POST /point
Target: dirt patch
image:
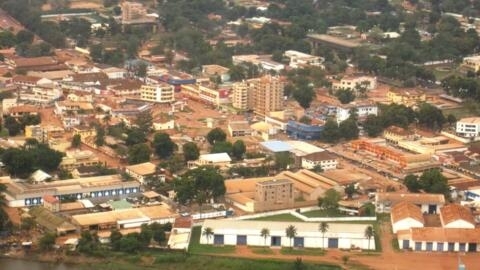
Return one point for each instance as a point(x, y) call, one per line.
point(86, 4)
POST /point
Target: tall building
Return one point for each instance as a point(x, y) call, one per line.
point(273, 194)
point(132, 11)
point(242, 97)
point(160, 93)
point(268, 94)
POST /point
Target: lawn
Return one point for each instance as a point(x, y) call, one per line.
point(322, 213)
point(196, 248)
point(303, 251)
point(261, 250)
point(281, 217)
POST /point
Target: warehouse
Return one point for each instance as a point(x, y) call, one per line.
point(243, 232)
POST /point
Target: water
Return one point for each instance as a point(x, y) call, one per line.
point(11, 264)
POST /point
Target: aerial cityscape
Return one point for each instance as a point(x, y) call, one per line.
point(240, 134)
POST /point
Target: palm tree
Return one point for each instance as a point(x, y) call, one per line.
point(207, 232)
point(369, 233)
point(291, 232)
point(323, 228)
point(265, 232)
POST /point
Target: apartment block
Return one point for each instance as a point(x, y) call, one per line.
point(159, 93)
point(242, 96)
point(268, 94)
point(274, 194)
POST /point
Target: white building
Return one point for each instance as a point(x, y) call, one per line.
point(160, 93)
point(405, 215)
point(115, 73)
point(144, 170)
point(440, 239)
point(299, 59)
point(217, 159)
point(243, 232)
point(428, 203)
point(472, 62)
point(363, 110)
point(324, 159)
point(354, 82)
point(456, 216)
point(468, 127)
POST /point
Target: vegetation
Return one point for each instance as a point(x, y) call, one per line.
point(323, 228)
point(163, 145)
point(190, 151)
point(330, 201)
point(216, 135)
point(291, 232)
point(431, 181)
point(138, 153)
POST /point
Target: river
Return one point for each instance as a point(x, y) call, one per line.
point(12, 264)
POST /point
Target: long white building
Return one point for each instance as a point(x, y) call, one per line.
point(243, 232)
point(468, 127)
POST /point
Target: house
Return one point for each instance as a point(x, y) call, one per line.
point(440, 239)
point(180, 233)
point(355, 83)
point(456, 216)
point(406, 215)
point(163, 124)
point(142, 171)
point(468, 127)
point(363, 109)
point(303, 131)
point(239, 128)
point(216, 71)
point(51, 203)
point(394, 134)
point(39, 176)
point(114, 72)
point(21, 110)
point(407, 97)
point(472, 62)
point(263, 130)
point(299, 59)
point(428, 203)
point(324, 159)
point(216, 160)
point(248, 233)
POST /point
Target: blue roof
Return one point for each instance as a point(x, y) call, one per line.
point(276, 146)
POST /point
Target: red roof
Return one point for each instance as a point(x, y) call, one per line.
point(50, 199)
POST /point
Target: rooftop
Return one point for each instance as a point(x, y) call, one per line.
point(146, 168)
point(276, 146)
point(403, 210)
point(415, 198)
point(435, 234)
point(453, 212)
point(320, 156)
point(216, 157)
point(470, 120)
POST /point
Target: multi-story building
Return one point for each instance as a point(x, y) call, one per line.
point(159, 93)
point(132, 11)
point(268, 94)
point(323, 159)
point(472, 62)
point(355, 82)
point(468, 127)
point(43, 134)
point(206, 92)
point(274, 194)
point(303, 131)
point(407, 97)
point(299, 59)
point(242, 96)
point(362, 109)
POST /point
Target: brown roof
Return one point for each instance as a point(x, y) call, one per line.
point(35, 61)
point(435, 234)
point(89, 77)
point(320, 156)
point(183, 222)
point(125, 84)
point(23, 109)
point(454, 212)
point(403, 210)
point(25, 78)
point(399, 131)
point(50, 199)
point(415, 198)
point(151, 194)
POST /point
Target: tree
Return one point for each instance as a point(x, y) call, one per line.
point(130, 243)
point(348, 129)
point(207, 232)
point(265, 232)
point(190, 151)
point(76, 141)
point(368, 210)
point(430, 116)
point(283, 160)
point(138, 153)
point(350, 190)
point(330, 132)
point(88, 242)
point(199, 185)
point(144, 121)
point(411, 182)
point(433, 181)
point(12, 125)
point(451, 119)
point(145, 235)
point(222, 147)
point(115, 237)
point(158, 232)
point(27, 223)
point(100, 137)
point(345, 96)
point(304, 95)
point(291, 232)
point(141, 70)
point(373, 125)
point(323, 228)
point(216, 135)
point(24, 36)
point(47, 241)
point(369, 233)
point(330, 201)
point(238, 149)
point(135, 136)
point(163, 145)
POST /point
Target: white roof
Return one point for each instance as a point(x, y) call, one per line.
point(40, 176)
point(302, 147)
point(217, 157)
point(87, 203)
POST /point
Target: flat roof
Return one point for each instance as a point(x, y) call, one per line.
point(334, 40)
point(143, 168)
point(470, 120)
point(276, 146)
point(217, 157)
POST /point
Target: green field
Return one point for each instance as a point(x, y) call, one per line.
point(196, 248)
point(281, 217)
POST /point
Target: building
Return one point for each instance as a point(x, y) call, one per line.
point(132, 11)
point(321, 40)
point(363, 109)
point(144, 170)
point(218, 71)
point(394, 134)
point(273, 194)
point(43, 134)
point(180, 234)
point(407, 97)
point(428, 203)
point(243, 232)
point(51, 203)
point(323, 159)
point(354, 83)
point(206, 92)
point(405, 215)
point(440, 239)
point(472, 62)
point(78, 158)
point(268, 95)
point(303, 131)
point(299, 59)
point(21, 194)
point(217, 160)
point(242, 95)
point(456, 216)
point(239, 128)
point(468, 127)
point(158, 93)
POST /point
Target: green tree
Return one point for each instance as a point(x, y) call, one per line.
point(100, 137)
point(323, 228)
point(138, 153)
point(47, 241)
point(373, 125)
point(304, 95)
point(76, 141)
point(135, 136)
point(265, 233)
point(190, 151)
point(350, 190)
point(222, 147)
point(115, 238)
point(330, 132)
point(130, 243)
point(158, 232)
point(369, 234)
point(163, 145)
point(216, 135)
point(330, 200)
point(208, 233)
point(12, 125)
point(145, 235)
point(199, 185)
point(291, 232)
point(430, 116)
point(433, 181)
point(88, 242)
point(144, 121)
point(283, 160)
point(238, 149)
point(345, 96)
point(348, 129)
point(412, 183)
point(24, 36)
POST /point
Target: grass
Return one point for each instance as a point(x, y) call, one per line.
point(197, 248)
point(302, 251)
point(280, 217)
point(322, 213)
point(458, 112)
point(395, 244)
point(261, 250)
